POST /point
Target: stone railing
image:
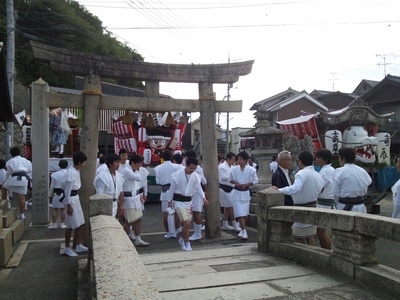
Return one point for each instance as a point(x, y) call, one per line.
point(353, 240)
point(116, 269)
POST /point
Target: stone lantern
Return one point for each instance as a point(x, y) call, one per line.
point(268, 142)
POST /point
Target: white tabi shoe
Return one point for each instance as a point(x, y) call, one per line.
point(188, 247)
point(68, 251)
point(182, 244)
point(225, 226)
point(240, 233)
point(236, 227)
point(80, 248)
point(140, 243)
point(244, 236)
point(132, 235)
point(62, 226)
point(52, 226)
point(197, 233)
point(167, 235)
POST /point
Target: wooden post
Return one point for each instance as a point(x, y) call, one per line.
point(210, 161)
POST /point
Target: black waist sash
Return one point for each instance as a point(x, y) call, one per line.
point(59, 192)
point(308, 204)
point(127, 194)
point(236, 188)
point(74, 193)
point(226, 188)
point(350, 202)
point(165, 187)
point(181, 198)
point(19, 176)
point(326, 202)
point(141, 190)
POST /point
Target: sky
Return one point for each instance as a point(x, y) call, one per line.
point(304, 44)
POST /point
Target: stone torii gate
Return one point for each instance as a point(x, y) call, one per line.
point(92, 67)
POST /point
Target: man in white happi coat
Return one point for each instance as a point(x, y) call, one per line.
point(110, 183)
point(17, 180)
point(102, 166)
point(325, 199)
point(305, 190)
point(197, 201)
point(133, 199)
point(225, 189)
point(185, 183)
point(242, 176)
point(74, 218)
point(350, 182)
point(57, 195)
point(123, 162)
point(163, 178)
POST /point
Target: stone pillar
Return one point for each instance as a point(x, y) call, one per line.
point(270, 231)
point(210, 161)
point(89, 142)
point(40, 153)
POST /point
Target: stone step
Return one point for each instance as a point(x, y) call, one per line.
point(253, 208)
point(5, 246)
point(17, 229)
point(252, 220)
point(9, 216)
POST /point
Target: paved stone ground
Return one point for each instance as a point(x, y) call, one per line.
point(45, 274)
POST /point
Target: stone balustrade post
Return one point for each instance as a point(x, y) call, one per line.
point(100, 204)
point(270, 231)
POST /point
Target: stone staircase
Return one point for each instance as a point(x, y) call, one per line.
point(11, 230)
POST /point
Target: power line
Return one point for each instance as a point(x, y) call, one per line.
point(258, 25)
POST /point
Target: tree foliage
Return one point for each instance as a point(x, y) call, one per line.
point(60, 23)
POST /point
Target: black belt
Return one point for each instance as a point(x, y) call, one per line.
point(19, 176)
point(141, 190)
point(181, 198)
point(350, 202)
point(59, 192)
point(73, 193)
point(165, 187)
point(236, 188)
point(308, 204)
point(326, 202)
point(226, 188)
point(127, 194)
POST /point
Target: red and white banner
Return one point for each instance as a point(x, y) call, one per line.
point(301, 127)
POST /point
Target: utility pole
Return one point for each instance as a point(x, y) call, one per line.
point(333, 80)
point(383, 56)
point(10, 71)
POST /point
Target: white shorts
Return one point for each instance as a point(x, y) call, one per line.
point(241, 208)
point(183, 210)
point(304, 232)
point(133, 214)
point(225, 199)
point(55, 202)
point(197, 203)
point(77, 219)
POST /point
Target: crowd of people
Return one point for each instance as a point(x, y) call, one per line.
point(184, 191)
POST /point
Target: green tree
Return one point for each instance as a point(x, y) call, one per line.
point(60, 23)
